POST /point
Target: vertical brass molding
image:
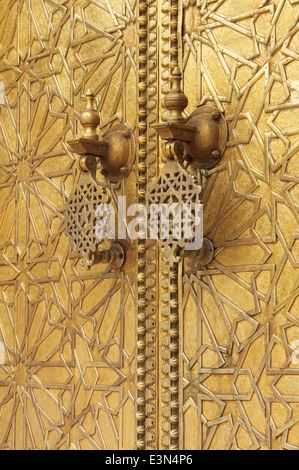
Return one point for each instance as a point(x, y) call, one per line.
point(141, 263)
point(147, 252)
point(169, 331)
point(152, 252)
point(164, 351)
point(171, 46)
point(165, 58)
point(174, 21)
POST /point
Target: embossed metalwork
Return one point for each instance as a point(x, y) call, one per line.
point(214, 352)
point(239, 387)
point(147, 367)
point(174, 186)
point(169, 295)
point(69, 376)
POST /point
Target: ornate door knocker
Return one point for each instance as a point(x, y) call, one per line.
point(115, 155)
point(201, 141)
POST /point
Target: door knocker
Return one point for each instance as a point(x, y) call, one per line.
point(114, 154)
point(201, 141)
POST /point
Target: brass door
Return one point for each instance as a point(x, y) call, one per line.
point(150, 357)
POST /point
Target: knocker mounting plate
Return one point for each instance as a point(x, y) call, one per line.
point(119, 160)
point(210, 138)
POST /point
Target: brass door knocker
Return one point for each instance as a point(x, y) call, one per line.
point(201, 138)
point(200, 141)
point(114, 154)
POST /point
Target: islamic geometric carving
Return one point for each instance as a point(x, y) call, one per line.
point(68, 381)
point(239, 383)
point(69, 378)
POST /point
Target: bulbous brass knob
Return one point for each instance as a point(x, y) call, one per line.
point(176, 100)
point(90, 118)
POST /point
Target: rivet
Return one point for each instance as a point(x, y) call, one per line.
point(216, 154)
point(216, 115)
point(127, 133)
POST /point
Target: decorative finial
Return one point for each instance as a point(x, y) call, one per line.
point(176, 100)
point(90, 118)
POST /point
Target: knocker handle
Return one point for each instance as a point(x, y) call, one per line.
point(114, 153)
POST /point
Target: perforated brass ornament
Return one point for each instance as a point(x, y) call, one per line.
point(81, 218)
point(89, 193)
point(174, 186)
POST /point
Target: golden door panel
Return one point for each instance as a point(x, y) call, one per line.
point(68, 378)
point(239, 316)
point(150, 356)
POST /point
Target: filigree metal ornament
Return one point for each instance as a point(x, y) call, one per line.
point(201, 134)
point(89, 193)
point(174, 188)
point(80, 218)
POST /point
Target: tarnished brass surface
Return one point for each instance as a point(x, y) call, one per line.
point(202, 257)
point(204, 134)
point(171, 131)
point(115, 151)
point(90, 118)
point(83, 146)
point(176, 100)
point(114, 256)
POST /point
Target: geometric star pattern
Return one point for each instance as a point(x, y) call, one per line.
point(81, 220)
point(68, 377)
point(240, 386)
